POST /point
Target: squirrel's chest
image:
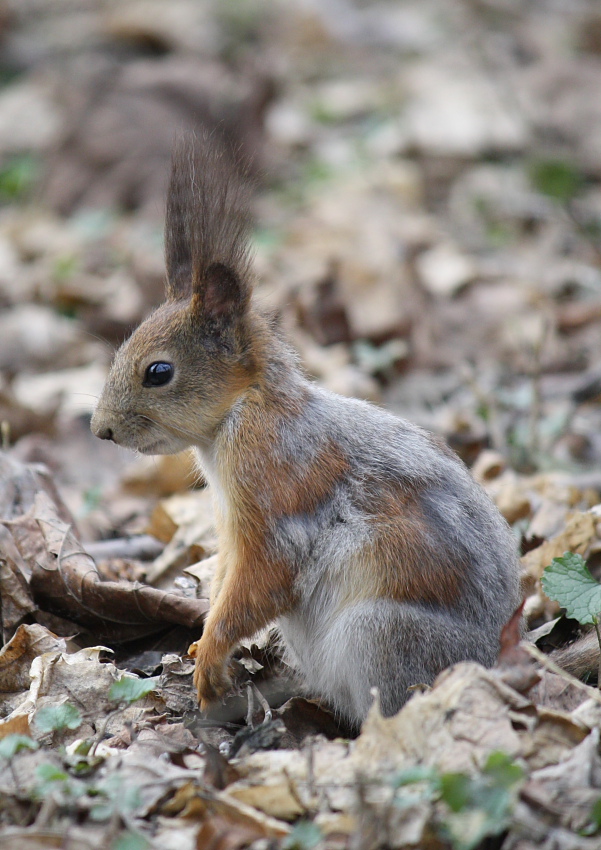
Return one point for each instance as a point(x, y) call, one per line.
point(207, 465)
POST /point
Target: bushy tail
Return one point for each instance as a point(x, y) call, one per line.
point(581, 658)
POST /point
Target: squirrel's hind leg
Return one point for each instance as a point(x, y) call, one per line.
point(392, 646)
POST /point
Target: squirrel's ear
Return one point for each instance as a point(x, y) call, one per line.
point(206, 227)
point(221, 294)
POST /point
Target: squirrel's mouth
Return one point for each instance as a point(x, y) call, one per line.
point(155, 448)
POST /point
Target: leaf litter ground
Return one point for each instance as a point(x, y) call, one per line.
point(429, 238)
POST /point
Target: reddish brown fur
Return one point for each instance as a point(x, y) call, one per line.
point(405, 567)
point(252, 586)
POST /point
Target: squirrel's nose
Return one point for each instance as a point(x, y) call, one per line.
point(105, 434)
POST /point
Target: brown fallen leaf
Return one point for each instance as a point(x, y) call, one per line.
point(200, 803)
point(519, 669)
point(49, 837)
point(16, 656)
point(217, 833)
point(41, 539)
point(65, 581)
point(303, 717)
point(579, 533)
point(556, 692)
point(161, 476)
point(15, 592)
point(19, 484)
point(187, 522)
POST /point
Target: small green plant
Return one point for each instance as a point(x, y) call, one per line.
point(304, 836)
point(482, 806)
point(128, 690)
point(56, 782)
point(17, 177)
point(124, 691)
point(594, 825)
point(567, 580)
point(113, 796)
point(13, 744)
point(56, 718)
point(556, 179)
point(476, 807)
point(10, 746)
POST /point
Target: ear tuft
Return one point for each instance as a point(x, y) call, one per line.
point(221, 294)
point(207, 222)
point(178, 222)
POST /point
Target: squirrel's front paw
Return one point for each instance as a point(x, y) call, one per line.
point(210, 679)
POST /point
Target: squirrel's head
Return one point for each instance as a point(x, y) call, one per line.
point(174, 379)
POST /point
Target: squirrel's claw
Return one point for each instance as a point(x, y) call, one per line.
point(211, 682)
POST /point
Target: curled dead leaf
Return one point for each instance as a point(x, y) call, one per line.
point(65, 581)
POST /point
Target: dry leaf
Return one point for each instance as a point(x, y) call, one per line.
point(65, 581)
point(194, 539)
point(579, 534)
point(17, 655)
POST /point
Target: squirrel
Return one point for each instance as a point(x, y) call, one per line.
point(364, 536)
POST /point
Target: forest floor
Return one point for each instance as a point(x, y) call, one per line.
point(428, 232)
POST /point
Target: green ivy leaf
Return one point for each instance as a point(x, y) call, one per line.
point(53, 718)
point(129, 689)
point(568, 581)
point(13, 744)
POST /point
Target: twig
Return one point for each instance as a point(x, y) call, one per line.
point(142, 547)
point(292, 787)
point(310, 767)
point(251, 704)
point(263, 703)
point(101, 730)
point(47, 811)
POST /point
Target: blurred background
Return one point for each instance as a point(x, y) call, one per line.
point(427, 220)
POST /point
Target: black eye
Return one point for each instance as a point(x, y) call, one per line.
point(158, 374)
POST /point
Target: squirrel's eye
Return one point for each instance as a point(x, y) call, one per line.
point(158, 374)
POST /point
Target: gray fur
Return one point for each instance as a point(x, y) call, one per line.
point(343, 652)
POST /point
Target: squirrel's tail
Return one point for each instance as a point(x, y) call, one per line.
point(207, 218)
point(580, 658)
